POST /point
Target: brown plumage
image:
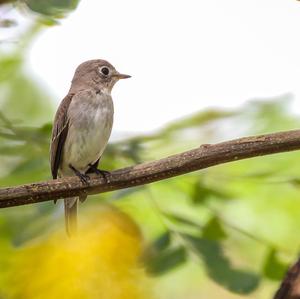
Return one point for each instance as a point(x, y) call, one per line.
point(59, 134)
point(82, 127)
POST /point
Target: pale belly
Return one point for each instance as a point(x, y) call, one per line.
point(87, 138)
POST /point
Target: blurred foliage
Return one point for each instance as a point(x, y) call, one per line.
point(235, 225)
point(23, 14)
point(54, 8)
point(80, 267)
point(46, 8)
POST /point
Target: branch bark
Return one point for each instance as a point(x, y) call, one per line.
point(290, 285)
point(203, 157)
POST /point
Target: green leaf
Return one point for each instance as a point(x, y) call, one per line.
point(163, 241)
point(167, 260)
point(219, 267)
point(202, 193)
point(180, 219)
point(54, 8)
point(273, 268)
point(158, 245)
point(294, 181)
point(213, 230)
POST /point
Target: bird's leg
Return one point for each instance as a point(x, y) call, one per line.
point(83, 177)
point(104, 173)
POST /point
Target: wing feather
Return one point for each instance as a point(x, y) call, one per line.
point(59, 134)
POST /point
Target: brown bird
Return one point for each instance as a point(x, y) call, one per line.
point(82, 127)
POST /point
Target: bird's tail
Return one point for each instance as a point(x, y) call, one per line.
point(71, 215)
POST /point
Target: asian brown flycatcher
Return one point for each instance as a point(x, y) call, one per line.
point(82, 127)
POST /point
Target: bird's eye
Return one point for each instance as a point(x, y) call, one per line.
point(104, 71)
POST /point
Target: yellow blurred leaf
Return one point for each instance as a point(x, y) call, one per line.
point(102, 261)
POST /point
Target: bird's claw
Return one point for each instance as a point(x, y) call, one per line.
point(104, 173)
point(84, 178)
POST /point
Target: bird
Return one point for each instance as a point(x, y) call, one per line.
point(82, 127)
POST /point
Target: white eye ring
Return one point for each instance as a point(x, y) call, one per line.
point(104, 70)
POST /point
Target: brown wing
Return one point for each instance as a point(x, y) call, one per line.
point(59, 134)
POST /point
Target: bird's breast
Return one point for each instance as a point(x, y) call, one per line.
point(90, 124)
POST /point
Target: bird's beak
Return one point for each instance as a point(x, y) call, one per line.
point(122, 76)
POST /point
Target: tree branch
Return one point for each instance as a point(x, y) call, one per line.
point(290, 285)
point(196, 159)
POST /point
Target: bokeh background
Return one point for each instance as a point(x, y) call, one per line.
point(202, 73)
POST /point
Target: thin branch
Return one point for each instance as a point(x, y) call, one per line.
point(290, 285)
point(203, 157)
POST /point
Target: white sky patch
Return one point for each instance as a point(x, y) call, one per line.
point(183, 55)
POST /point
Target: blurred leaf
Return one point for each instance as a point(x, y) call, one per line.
point(273, 268)
point(219, 267)
point(159, 244)
point(271, 114)
point(180, 219)
point(20, 224)
point(5, 1)
point(295, 182)
point(13, 150)
point(202, 193)
point(133, 151)
point(260, 174)
point(7, 23)
point(9, 65)
point(54, 8)
point(28, 166)
point(33, 107)
point(163, 241)
point(197, 119)
point(167, 260)
point(213, 230)
point(119, 194)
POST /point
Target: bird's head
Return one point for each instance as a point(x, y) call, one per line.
point(97, 73)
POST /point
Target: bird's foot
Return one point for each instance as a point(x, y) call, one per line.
point(83, 177)
point(104, 173)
